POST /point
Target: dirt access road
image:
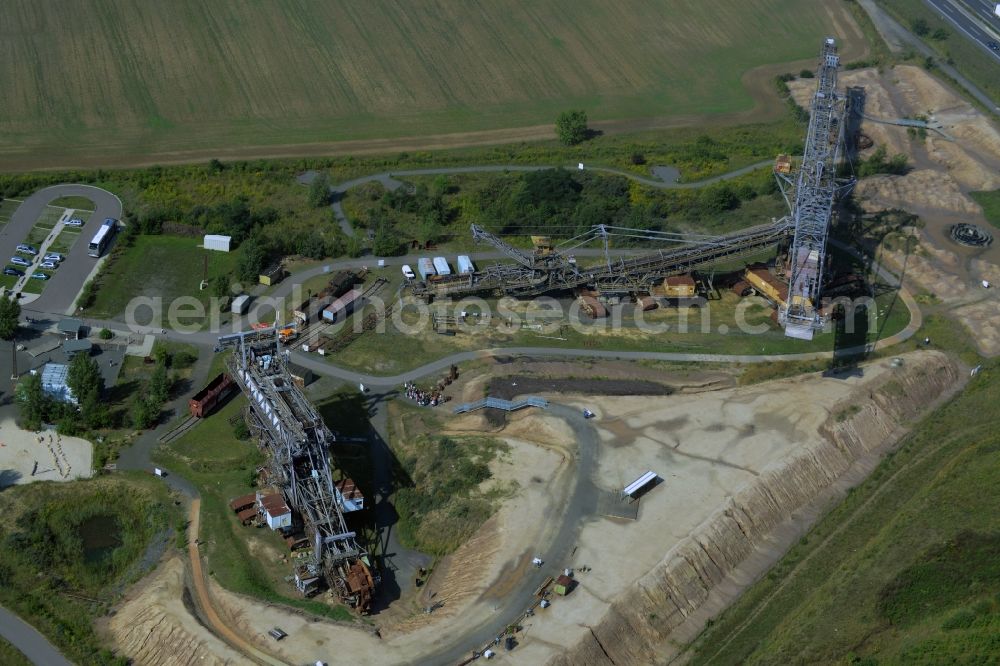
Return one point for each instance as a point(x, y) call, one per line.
point(220, 628)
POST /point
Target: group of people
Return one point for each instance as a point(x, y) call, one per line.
point(422, 398)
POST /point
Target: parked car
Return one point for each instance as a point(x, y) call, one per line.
point(19, 261)
point(12, 271)
point(53, 256)
point(39, 276)
point(49, 265)
point(277, 634)
point(75, 222)
point(27, 249)
point(408, 272)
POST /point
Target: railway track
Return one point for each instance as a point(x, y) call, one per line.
point(178, 431)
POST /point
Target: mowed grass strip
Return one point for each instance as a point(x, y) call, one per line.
point(297, 72)
point(7, 208)
point(65, 240)
point(75, 202)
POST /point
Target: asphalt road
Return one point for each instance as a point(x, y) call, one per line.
point(968, 21)
point(62, 289)
point(898, 38)
point(32, 644)
point(984, 10)
point(580, 504)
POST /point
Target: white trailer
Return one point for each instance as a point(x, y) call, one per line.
point(425, 267)
point(441, 266)
point(241, 304)
point(465, 265)
point(218, 243)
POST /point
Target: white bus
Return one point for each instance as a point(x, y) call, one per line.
point(103, 237)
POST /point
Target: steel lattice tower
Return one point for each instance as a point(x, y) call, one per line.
point(815, 190)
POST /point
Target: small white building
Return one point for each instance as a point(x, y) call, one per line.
point(220, 243)
point(275, 511)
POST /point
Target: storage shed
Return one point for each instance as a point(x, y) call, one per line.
point(275, 511)
point(564, 585)
point(352, 499)
point(465, 265)
point(243, 502)
point(73, 347)
point(272, 275)
point(71, 329)
point(425, 266)
point(301, 375)
point(679, 286)
point(441, 266)
point(343, 306)
point(218, 243)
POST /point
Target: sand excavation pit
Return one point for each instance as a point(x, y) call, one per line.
point(708, 449)
point(40, 456)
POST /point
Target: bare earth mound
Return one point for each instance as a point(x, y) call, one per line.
point(154, 625)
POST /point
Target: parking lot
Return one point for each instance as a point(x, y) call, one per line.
point(34, 222)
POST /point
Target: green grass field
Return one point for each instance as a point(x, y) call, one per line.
point(990, 201)
point(205, 75)
point(178, 264)
point(903, 572)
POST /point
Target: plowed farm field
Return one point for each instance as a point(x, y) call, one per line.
point(91, 83)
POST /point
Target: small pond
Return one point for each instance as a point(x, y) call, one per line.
point(100, 536)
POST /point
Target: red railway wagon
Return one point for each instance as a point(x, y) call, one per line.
point(206, 399)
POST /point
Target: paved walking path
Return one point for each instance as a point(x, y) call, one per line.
point(29, 641)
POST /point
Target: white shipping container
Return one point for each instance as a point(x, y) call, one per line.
point(219, 243)
point(441, 266)
point(465, 265)
point(425, 267)
point(241, 304)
